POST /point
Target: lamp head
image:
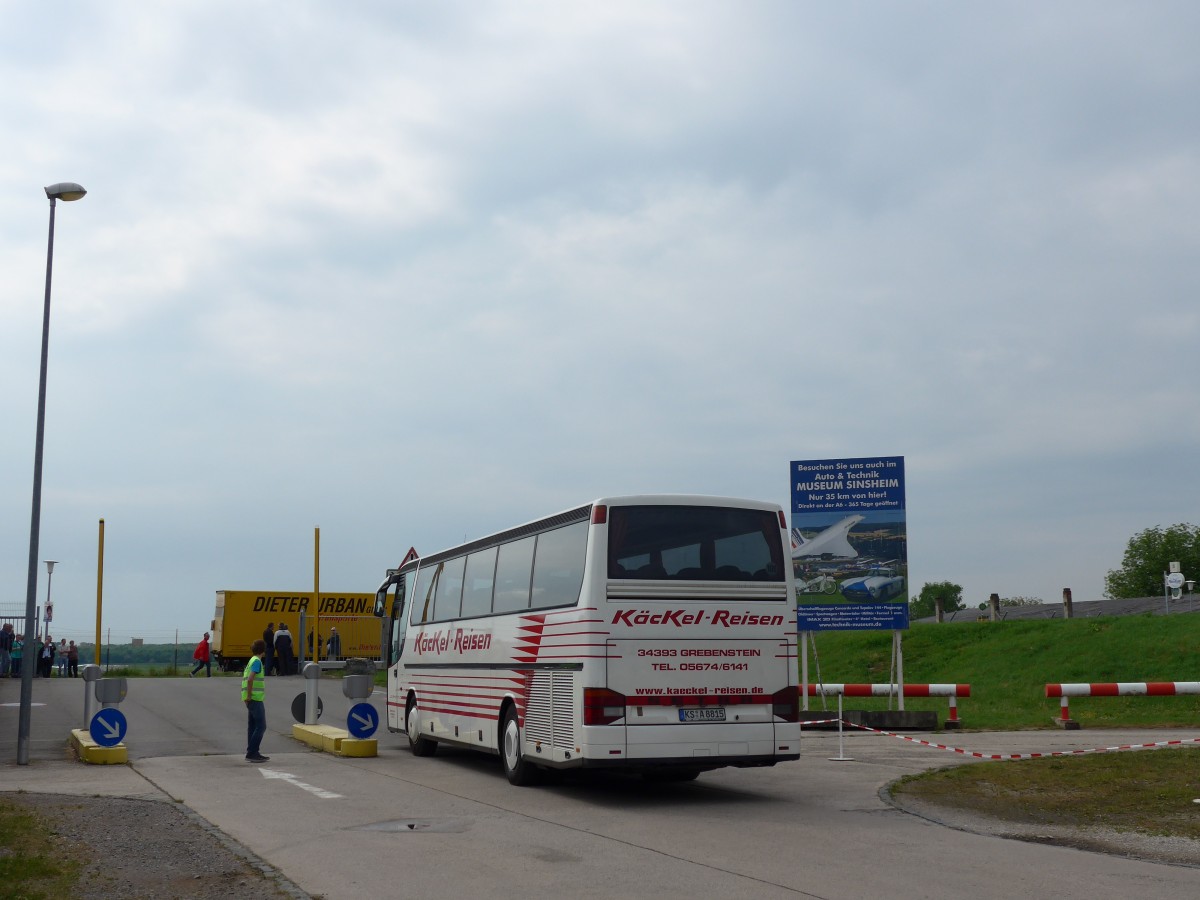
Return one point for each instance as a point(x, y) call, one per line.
point(50, 564)
point(65, 190)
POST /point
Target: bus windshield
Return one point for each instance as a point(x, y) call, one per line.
point(699, 543)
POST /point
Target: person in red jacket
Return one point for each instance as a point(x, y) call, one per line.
point(202, 657)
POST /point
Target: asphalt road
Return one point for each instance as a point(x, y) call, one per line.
point(452, 826)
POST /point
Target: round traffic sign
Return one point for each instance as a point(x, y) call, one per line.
point(108, 727)
point(362, 720)
point(1175, 581)
point(298, 704)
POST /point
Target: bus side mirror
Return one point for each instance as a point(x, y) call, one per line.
point(380, 603)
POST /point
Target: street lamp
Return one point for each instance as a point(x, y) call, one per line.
point(49, 611)
point(65, 190)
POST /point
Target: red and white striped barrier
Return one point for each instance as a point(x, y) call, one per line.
point(1118, 689)
point(1172, 743)
point(885, 690)
point(952, 691)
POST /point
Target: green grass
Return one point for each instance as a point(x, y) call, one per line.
point(31, 868)
point(147, 670)
point(1147, 792)
point(1008, 665)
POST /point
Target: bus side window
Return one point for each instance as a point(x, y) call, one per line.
point(397, 636)
point(422, 596)
point(558, 566)
point(514, 566)
point(477, 584)
point(398, 612)
point(447, 596)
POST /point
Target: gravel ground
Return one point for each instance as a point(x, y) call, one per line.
point(151, 850)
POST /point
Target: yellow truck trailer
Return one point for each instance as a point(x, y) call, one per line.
point(241, 617)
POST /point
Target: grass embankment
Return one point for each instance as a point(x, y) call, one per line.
point(1147, 792)
point(1009, 664)
point(31, 867)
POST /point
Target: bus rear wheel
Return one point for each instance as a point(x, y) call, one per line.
point(517, 769)
point(420, 746)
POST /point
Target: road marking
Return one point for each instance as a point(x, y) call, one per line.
point(292, 779)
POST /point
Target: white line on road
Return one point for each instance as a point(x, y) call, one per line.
point(292, 779)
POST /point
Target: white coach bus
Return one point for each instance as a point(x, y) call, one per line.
point(655, 633)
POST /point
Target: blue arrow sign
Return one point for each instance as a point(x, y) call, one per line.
point(362, 721)
point(108, 727)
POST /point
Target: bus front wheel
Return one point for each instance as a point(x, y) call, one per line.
point(420, 746)
point(517, 769)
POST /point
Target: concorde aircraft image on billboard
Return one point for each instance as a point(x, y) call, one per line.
point(832, 542)
point(868, 588)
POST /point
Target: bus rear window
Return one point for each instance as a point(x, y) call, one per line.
point(694, 543)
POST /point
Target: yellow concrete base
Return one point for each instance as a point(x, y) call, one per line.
point(335, 740)
point(91, 752)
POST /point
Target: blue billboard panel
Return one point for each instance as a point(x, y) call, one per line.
point(865, 484)
point(849, 535)
point(852, 617)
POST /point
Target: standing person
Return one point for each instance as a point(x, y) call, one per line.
point(46, 657)
point(17, 651)
point(334, 648)
point(6, 644)
point(283, 649)
point(269, 640)
point(254, 692)
point(62, 657)
point(72, 660)
point(203, 657)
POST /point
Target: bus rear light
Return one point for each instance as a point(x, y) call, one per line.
point(785, 704)
point(602, 706)
point(599, 514)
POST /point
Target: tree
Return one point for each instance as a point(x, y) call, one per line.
point(925, 603)
point(1147, 558)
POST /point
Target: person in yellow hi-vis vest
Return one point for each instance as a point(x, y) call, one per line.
point(254, 691)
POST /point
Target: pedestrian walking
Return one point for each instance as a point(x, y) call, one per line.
point(203, 657)
point(254, 684)
point(269, 640)
point(283, 649)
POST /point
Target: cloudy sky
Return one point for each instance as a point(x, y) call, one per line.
point(412, 273)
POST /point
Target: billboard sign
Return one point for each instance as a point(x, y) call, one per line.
point(852, 617)
point(849, 537)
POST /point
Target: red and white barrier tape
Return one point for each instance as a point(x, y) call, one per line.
point(971, 753)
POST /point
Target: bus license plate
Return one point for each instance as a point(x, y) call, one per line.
point(702, 715)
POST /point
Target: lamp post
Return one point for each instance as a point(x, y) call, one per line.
point(65, 190)
point(49, 611)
